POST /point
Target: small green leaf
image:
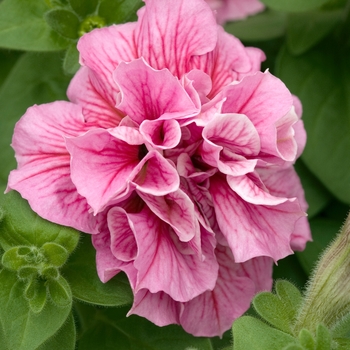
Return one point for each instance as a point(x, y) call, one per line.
point(263, 26)
point(22, 27)
point(119, 11)
point(24, 329)
point(38, 301)
point(306, 339)
point(21, 226)
point(64, 339)
point(305, 30)
point(80, 271)
point(30, 289)
point(60, 292)
point(64, 22)
point(71, 59)
point(251, 334)
point(27, 272)
point(323, 338)
point(289, 294)
point(293, 5)
point(274, 311)
point(50, 272)
point(55, 253)
point(13, 260)
point(83, 7)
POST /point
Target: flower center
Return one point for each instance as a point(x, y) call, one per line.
point(142, 152)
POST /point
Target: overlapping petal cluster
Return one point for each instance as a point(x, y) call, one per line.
point(233, 10)
point(176, 153)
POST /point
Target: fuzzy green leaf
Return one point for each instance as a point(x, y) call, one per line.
point(64, 339)
point(64, 22)
point(119, 11)
point(55, 253)
point(59, 291)
point(84, 7)
point(251, 334)
point(38, 301)
point(22, 27)
point(23, 329)
point(323, 338)
point(306, 339)
point(342, 327)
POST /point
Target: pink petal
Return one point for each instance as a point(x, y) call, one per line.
point(43, 173)
point(102, 50)
point(213, 312)
point(286, 183)
point(170, 32)
point(182, 276)
point(123, 243)
point(108, 161)
point(148, 94)
point(97, 109)
point(161, 134)
point(266, 101)
point(159, 307)
point(227, 139)
point(177, 210)
point(229, 61)
point(254, 230)
point(233, 10)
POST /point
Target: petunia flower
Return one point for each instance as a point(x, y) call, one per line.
point(176, 153)
point(233, 10)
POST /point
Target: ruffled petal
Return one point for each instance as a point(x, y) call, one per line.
point(43, 173)
point(213, 312)
point(183, 276)
point(97, 110)
point(254, 230)
point(148, 94)
point(102, 50)
point(267, 102)
point(170, 32)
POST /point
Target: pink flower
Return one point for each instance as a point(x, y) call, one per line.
point(177, 154)
point(233, 10)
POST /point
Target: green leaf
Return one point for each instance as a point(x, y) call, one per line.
point(293, 347)
point(35, 79)
point(290, 296)
point(80, 271)
point(274, 311)
point(263, 26)
point(59, 291)
point(323, 231)
point(305, 30)
point(71, 59)
point(321, 79)
point(38, 302)
point(64, 22)
point(306, 339)
point(24, 330)
point(84, 7)
point(22, 27)
point(7, 61)
point(13, 260)
point(119, 11)
point(21, 226)
point(343, 343)
point(323, 338)
point(316, 194)
point(294, 5)
point(251, 334)
point(64, 339)
point(108, 327)
point(55, 253)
